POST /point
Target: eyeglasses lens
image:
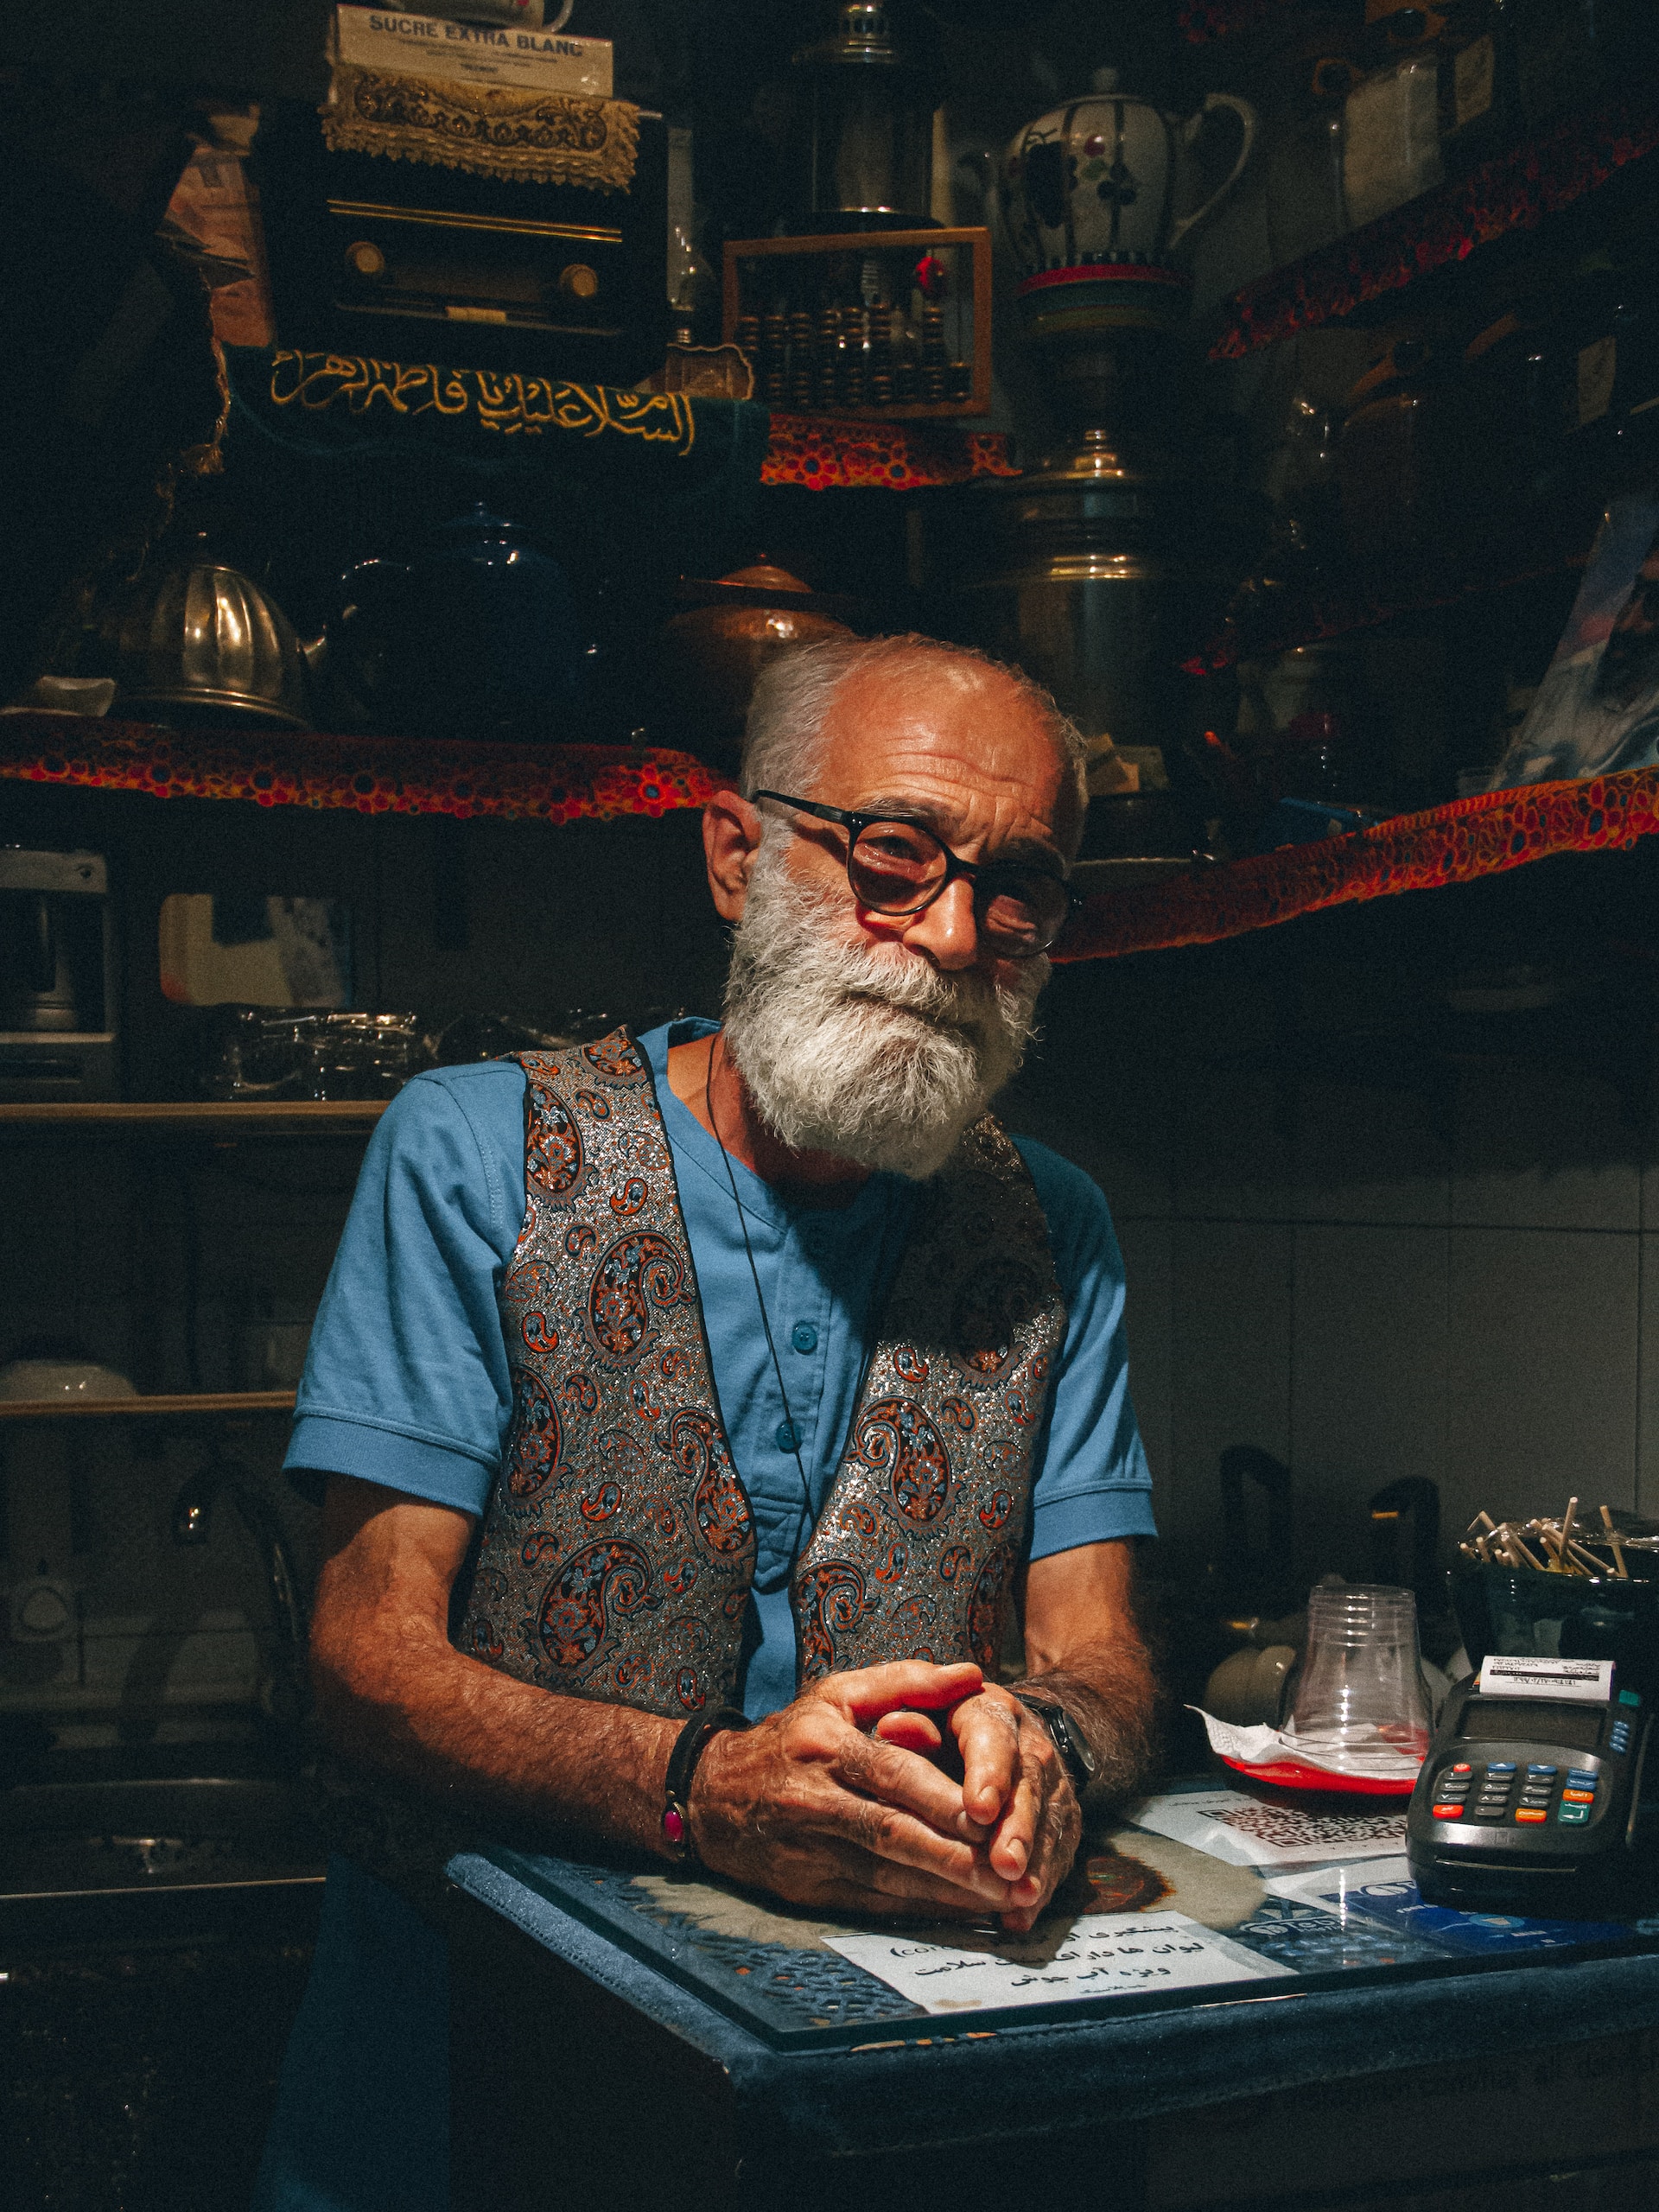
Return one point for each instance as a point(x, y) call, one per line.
point(896, 868)
point(1025, 918)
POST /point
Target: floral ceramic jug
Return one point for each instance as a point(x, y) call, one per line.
point(1099, 180)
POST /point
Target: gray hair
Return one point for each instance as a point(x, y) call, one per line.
point(783, 742)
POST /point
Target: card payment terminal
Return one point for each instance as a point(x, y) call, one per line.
point(1530, 1799)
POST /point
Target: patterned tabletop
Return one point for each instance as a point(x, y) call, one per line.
point(1148, 1919)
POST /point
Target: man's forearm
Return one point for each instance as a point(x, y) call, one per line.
point(1107, 1689)
point(423, 1714)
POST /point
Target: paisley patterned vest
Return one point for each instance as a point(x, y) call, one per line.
point(617, 1555)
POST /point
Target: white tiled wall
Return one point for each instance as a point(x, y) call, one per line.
point(1367, 1282)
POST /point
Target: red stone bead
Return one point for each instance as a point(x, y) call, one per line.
point(674, 1826)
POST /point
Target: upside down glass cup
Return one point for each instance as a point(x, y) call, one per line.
point(1361, 1707)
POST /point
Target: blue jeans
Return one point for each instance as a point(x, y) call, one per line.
point(362, 2120)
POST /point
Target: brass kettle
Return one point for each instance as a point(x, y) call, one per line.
point(198, 638)
point(713, 650)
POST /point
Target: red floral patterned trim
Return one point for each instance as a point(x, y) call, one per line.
point(826, 454)
point(1484, 836)
point(1470, 837)
point(1514, 192)
point(371, 775)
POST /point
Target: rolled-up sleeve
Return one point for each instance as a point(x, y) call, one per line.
point(406, 1380)
point(1093, 1483)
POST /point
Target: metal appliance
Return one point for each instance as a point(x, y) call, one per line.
point(1092, 570)
point(867, 142)
point(58, 1031)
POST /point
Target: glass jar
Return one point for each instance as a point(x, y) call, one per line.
point(1404, 466)
point(1514, 441)
point(1391, 138)
point(1306, 209)
point(1555, 58)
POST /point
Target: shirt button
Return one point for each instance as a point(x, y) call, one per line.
point(804, 1337)
point(786, 1438)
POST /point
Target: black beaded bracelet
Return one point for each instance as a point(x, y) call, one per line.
point(690, 1745)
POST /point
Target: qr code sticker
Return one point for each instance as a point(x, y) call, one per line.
point(1288, 1826)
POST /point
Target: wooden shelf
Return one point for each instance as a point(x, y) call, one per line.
point(295, 1117)
point(200, 1405)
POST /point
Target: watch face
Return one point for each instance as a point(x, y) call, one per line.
point(1069, 1741)
point(1072, 1743)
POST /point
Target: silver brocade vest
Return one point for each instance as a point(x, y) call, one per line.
point(618, 1552)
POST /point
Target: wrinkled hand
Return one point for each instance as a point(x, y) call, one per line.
point(809, 1805)
point(1014, 1786)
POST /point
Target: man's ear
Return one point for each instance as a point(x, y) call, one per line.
point(731, 838)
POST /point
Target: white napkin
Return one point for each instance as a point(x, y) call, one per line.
point(1379, 1761)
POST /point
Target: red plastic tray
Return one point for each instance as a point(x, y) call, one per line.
point(1288, 1774)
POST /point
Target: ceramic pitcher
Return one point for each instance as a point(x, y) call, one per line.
point(1100, 179)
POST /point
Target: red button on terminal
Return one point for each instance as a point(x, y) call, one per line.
point(1448, 1812)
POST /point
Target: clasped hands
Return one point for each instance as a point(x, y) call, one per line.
point(840, 1800)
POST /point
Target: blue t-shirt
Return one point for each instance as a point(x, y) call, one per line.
point(406, 1381)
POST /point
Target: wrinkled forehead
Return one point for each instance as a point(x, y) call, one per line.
point(956, 732)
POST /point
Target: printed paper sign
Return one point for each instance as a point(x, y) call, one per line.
point(1587, 1682)
point(1244, 1832)
point(1106, 1955)
point(474, 54)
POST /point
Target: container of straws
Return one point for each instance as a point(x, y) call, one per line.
point(1583, 1586)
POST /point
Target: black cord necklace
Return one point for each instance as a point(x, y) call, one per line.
point(755, 1272)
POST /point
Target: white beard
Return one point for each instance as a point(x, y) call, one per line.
point(866, 1052)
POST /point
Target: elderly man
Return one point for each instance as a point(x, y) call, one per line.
point(695, 1410)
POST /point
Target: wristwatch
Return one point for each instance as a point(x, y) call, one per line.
point(1070, 1741)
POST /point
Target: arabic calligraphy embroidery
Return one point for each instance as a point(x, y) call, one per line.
point(505, 402)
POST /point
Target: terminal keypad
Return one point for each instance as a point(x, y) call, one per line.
point(1499, 1792)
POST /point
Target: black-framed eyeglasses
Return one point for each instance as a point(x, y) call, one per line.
point(897, 867)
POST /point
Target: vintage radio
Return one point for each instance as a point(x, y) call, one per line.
point(402, 259)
